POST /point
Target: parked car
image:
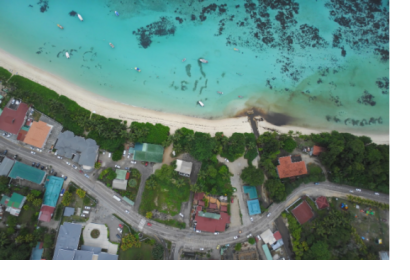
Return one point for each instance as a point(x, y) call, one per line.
point(251, 219)
point(201, 249)
point(217, 247)
point(259, 237)
point(75, 167)
point(376, 193)
point(109, 155)
point(216, 233)
point(38, 165)
point(87, 207)
point(133, 162)
point(146, 163)
point(120, 230)
point(351, 191)
point(120, 225)
point(235, 237)
point(118, 236)
point(39, 150)
point(249, 235)
point(42, 168)
point(15, 156)
point(68, 163)
point(62, 176)
point(55, 174)
point(65, 178)
point(198, 231)
point(62, 192)
point(126, 211)
point(51, 171)
point(59, 157)
point(33, 152)
point(5, 152)
point(226, 160)
point(87, 176)
point(128, 156)
point(33, 164)
point(268, 214)
point(149, 224)
point(82, 215)
point(232, 200)
point(182, 215)
point(358, 190)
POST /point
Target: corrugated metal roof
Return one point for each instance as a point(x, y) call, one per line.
point(267, 237)
point(53, 188)
point(254, 207)
point(266, 251)
point(251, 191)
point(5, 166)
point(121, 174)
point(119, 184)
point(67, 241)
point(26, 172)
point(148, 152)
point(38, 134)
point(129, 201)
point(184, 167)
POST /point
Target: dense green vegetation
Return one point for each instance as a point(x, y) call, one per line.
point(368, 202)
point(172, 223)
point(132, 189)
point(252, 176)
point(354, 160)
point(148, 133)
point(214, 179)
point(107, 176)
point(4, 75)
point(233, 147)
point(164, 191)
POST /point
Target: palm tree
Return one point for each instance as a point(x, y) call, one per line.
point(190, 137)
point(124, 134)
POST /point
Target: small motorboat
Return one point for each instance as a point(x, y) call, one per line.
point(67, 55)
point(112, 46)
point(183, 59)
point(136, 68)
point(203, 60)
point(200, 103)
point(220, 92)
point(240, 96)
point(59, 26)
point(235, 49)
point(116, 13)
point(80, 17)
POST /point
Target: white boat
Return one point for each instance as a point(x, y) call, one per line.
point(112, 46)
point(200, 103)
point(80, 17)
point(67, 54)
point(220, 92)
point(203, 60)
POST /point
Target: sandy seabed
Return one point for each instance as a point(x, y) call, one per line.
point(112, 109)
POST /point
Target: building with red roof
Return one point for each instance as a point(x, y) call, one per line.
point(12, 120)
point(321, 202)
point(303, 212)
point(224, 208)
point(46, 212)
point(211, 222)
point(277, 235)
point(287, 168)
point(213, 206)
point(316, 150)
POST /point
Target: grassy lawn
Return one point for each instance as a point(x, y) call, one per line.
point(142, 253)
point(26, 215)
point(166, 199)
point(369, 226)
point(172, 223)
point(36, 116)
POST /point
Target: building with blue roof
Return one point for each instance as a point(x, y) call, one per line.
point(254, 207)
point(37, 252)
point(53, 188)
point(251, 191)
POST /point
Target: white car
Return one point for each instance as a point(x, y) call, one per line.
point(376, 193)
point(133, 162)
point(198, 231)
point(128, 156)
point(259, 237)
point(235, 237)
point(39, 150)
point(82, 215)
point(358, 190)
point(251, 219)
point(268, 215)
point(87, 176)
point(87, 207)
point(201, 249)
point(126, 211)
point(351, 191)
point(109, 154)
point(182, 215)
point(33, 152)
point(216, 233)
point(249, 235)
point(120, 230)
point(75, 167)
point(59, 157)
point(62, 176)
point(227, 160)
point(68, 163)
point(103, 153)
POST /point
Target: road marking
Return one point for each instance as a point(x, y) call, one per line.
point(141, 224)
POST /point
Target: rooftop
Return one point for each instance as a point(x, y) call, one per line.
point(287, 168)
point(67, 241)
point(12, 120)
point(302, 212)
point(53, 188)
point(26, 172)
point(68, 211)
point(277, 235)
point(317, 150)
point(251, 191)
point(119, 184)
point(85, 150)
point(5, 166)
point(267, 237)
point(45, 213)
point(208, 224)
point(16, 201)
point(38, 134)
point(184, 167)
point(254, 207)
point(37, 252)
point(121, 174)
point(321, 202)
point(267, 252)
point(148, 152)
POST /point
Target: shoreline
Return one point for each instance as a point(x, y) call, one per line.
point(113, 109)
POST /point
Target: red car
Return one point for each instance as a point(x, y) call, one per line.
point(149, 224)
point(232, 200)
point(120, 225)
point(146, 163)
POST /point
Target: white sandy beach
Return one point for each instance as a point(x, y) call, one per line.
point(112, 109)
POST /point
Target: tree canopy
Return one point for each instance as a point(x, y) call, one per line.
point(252, 175)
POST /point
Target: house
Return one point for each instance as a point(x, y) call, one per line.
point(148, 152)
point(316, 150)
point(37, 252)
point(26, 172)
point(13, 117)
point(303, 212)
point(46, 213)
point(5, 166)
point(184, 168)
point(68, 211)
point(278, 240)
point(13, 204)
point(251, 191)
point(38, 134)
point(254, 207)
point(211, 222)
point(78, 149)
point(321, 202)
point(384, 255)
point(120, 181)
point(267, 252)
point(66, 247)
point(287, 168)
point(53, 187)
point(267, 237)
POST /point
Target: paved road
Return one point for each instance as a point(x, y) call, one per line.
point(187, 237)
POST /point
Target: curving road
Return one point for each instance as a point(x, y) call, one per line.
point(187, 237)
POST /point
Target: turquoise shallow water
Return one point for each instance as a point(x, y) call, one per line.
point(322, 64)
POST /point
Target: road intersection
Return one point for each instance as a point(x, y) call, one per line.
point(184, 237)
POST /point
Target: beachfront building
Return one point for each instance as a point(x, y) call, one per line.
point(26, 172)
point(316, 150)
point(13, 117)
point(53, 187)
point(78, 149)
point(147, 152)
point(66, 247)
point(37, 134)
point(289, 167)
point(13, 204)
point(184, 168)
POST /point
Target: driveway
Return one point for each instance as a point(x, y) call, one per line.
point(235, 217)
point(101, 241)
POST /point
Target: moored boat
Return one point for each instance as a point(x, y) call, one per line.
point(59, 26)
point(200, 103)
point(203, 60)
point(183, 59)
point(80, 17)
point(240, 96)
point(116, 13)
point(67, 55)
point(112, 46)
point(220, 92)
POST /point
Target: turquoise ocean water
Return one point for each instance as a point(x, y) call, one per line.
point(322, 64)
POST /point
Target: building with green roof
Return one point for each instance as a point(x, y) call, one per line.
point(14, 203)
point(148, 152)
point(267, 252)
point(26, 172)
point(53, 188)
point(209, 215)
point(121, 174)
point(251, 191)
